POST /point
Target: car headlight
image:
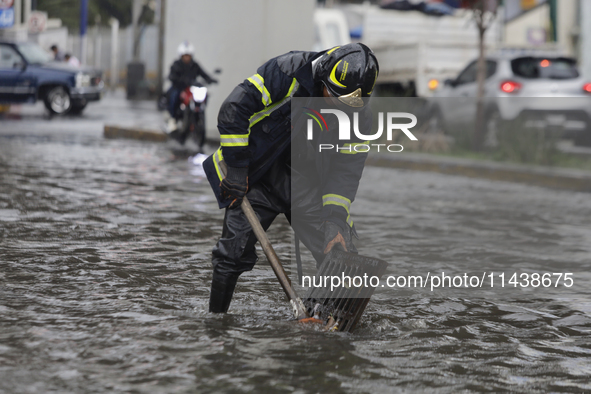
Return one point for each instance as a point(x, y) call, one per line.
point(82, 80)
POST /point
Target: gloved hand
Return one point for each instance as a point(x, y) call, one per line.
point(336, 237)
point(235, 185)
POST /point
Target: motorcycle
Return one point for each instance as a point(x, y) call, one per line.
point(190, 116)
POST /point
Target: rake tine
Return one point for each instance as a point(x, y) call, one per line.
point(344, 304)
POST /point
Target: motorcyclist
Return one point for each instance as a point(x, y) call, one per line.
point(183, 73)
point(256, 138)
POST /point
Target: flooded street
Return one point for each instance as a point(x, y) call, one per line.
point(105, 271)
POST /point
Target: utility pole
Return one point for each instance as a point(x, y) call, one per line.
point(484, 12)
point(83, 26)
point(18, 30)
point(97, 42)
point(161, 31)
point(114, 77)
point(26, 12)
point(135, 15)
point(586, 38)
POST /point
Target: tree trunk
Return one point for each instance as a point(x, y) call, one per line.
point(481, 78)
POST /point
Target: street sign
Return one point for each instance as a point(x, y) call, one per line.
point(6, 17)
point(6, 3)
point(37, 22)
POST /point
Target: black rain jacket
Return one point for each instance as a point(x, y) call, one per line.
point(255, 127)
point(183, 75)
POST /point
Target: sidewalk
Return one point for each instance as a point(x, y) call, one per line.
point(139, 120)
point(557, 178)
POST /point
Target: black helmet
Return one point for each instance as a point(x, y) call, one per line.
point(349, 72)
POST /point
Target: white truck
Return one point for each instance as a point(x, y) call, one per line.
point(331, 29)
point(417, 52)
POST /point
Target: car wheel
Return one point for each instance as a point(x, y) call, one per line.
point(77, 108)
point(491, 130)
point(57, 100)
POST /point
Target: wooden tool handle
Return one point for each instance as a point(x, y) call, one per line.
point(298, 306)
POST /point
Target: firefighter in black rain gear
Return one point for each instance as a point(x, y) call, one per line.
point(255, 126)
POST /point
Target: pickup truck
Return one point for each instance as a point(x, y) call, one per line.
point(28, 74)
point(417, 52)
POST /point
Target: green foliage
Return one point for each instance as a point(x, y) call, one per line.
point(525, 143)
point(519, 141)
point(69, 11)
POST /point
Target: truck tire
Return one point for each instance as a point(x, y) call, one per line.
point(57, 100)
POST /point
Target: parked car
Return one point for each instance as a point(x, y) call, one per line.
point(28, 74)
point(545, 89)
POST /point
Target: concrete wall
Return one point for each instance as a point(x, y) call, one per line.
point(101, 57)
point(236, 36)
point(50, 37)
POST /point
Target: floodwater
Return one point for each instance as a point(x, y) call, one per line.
point(105, 268)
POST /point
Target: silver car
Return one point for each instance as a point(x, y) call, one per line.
point(544, 89)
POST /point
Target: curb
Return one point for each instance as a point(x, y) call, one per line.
point(113, 132)
point(555, 178)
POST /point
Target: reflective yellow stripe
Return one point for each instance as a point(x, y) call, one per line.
point(332, 50)
point(374, 84)
point(234, 143)
point(234, 140)
point(225, 136)
point(335, 199)
point(352, 146)
point(292, 87)
point(254, 119)
point(217, 157)
point(332, 76)
point(258, 81)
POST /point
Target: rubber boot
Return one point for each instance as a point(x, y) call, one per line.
point(222, 289)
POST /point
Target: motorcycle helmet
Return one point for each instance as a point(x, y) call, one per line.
point(186, 48)
point(349, 73)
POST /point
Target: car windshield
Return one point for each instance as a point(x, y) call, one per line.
point(33, 53)
point(545, 68)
